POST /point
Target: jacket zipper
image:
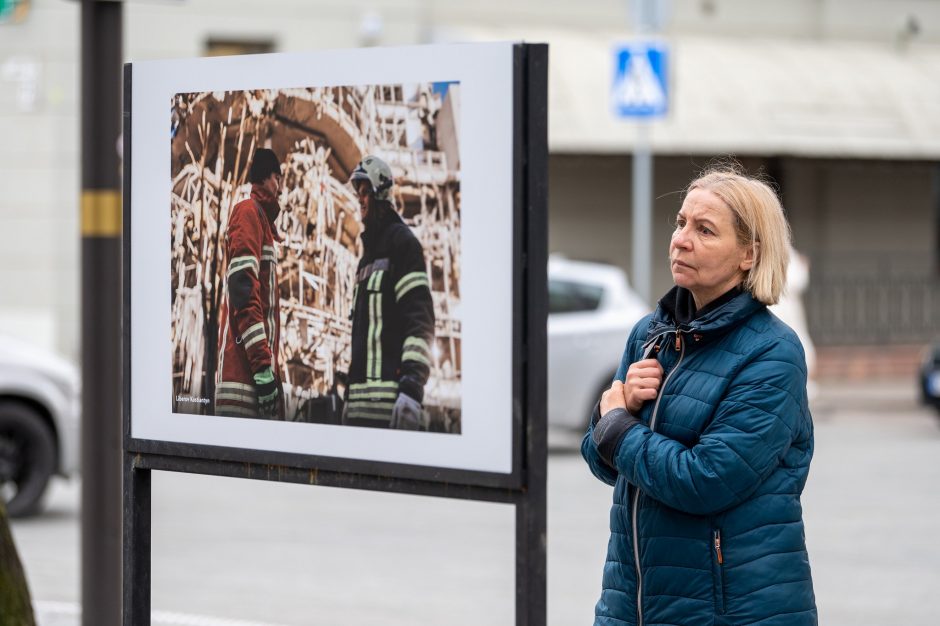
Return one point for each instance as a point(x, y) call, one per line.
point(680, 346)
point(720, 596)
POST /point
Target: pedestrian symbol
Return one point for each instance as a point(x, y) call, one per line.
point(640, 85)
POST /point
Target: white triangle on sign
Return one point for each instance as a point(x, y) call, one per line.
point(639, 87)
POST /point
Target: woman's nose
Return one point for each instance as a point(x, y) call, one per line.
point(680, 239)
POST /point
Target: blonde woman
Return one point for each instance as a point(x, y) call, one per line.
point(705, 434)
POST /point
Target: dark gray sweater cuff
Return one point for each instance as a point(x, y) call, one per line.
point(610, 430)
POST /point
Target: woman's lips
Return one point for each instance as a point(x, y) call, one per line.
point(681, 264)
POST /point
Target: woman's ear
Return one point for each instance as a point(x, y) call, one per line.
point(751, 253)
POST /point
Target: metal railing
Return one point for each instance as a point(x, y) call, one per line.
point(864, 298)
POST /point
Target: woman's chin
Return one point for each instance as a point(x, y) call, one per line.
point(680, 279)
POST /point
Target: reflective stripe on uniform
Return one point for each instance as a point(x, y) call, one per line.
point(409, 282)
point(373, 390)
point(235, 400)
point(375, 266)
point(416, 349)
point(374, 343)
point(234, 410)
point(267, 254)
point(272, 308)
point(230, 386)
point(240, 263)
point(218, 376)
point(366, 409)
point(237, 397)
point(253, 335)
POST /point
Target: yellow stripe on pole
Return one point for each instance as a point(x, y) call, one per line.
point(101, 213)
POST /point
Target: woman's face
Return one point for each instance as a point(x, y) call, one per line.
point(704, 254)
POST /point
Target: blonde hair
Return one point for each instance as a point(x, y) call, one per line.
point(759, 223)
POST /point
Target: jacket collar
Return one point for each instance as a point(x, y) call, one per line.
point(732, 309)
point(374, 232)
point(269, 206)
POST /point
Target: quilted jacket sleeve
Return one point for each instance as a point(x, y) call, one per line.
point(753, 427)
point(599, 468)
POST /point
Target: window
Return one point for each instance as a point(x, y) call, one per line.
point(227, 47)
point(572, 297)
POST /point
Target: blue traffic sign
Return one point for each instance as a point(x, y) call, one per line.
point(640, 86)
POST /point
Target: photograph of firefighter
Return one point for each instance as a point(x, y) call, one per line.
point(249, 334)
point(392, 314)
point(316, 255)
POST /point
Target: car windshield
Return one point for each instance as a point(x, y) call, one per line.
point(571, 297)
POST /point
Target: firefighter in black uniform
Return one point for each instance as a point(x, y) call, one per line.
point(392, 314)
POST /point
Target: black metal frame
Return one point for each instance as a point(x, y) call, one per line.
point(525, 486)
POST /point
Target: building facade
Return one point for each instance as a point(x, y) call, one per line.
point(835, 99)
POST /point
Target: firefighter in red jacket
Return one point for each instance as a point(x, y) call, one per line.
point(248, 382)
point(393, 314)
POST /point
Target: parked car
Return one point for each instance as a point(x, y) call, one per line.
point(930, 376)
point(39, 423)
point(591, 310)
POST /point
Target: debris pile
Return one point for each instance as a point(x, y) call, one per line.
point(320, 134)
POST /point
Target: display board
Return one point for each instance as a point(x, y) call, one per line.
point(442, 118)
point(463, 131)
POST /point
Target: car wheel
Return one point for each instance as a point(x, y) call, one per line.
point(27, 458)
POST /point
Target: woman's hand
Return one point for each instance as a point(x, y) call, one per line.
point(642, 384)
point(613, 398)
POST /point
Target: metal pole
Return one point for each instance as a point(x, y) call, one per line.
point(531, 508)
point(101, 312)
point(642, 213)
point(137, 534)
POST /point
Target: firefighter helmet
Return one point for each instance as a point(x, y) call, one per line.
point(377, 172)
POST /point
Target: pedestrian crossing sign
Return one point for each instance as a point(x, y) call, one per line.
point(640, 85)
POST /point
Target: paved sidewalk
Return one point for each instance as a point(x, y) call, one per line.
point(247, 553)
point(69, 614)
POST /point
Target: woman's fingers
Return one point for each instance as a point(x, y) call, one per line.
point(642, 384)
point(613, 398)
point(643, 381)
point(648, 368)
point(648, 363)
point(647, 383)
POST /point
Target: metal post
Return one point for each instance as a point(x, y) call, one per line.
point(642, 212)
point(936, 221)
point(101, 312)
point(137, 535)
point(531, 508)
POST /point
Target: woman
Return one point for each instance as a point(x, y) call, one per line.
point(706, 434)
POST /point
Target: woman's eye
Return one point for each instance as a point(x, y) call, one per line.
point(706, 230)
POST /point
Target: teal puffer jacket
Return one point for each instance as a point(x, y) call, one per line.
point(706, 524)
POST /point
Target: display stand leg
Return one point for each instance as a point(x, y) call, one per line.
point(136, 583)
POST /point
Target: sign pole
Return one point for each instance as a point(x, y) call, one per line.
point(640, 92)
point(101, 24)
point(642, 212)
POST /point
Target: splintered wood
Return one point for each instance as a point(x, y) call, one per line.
point(320, 134)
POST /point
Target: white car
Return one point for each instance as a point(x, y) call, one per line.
point(40, 404)
point(591, 311)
